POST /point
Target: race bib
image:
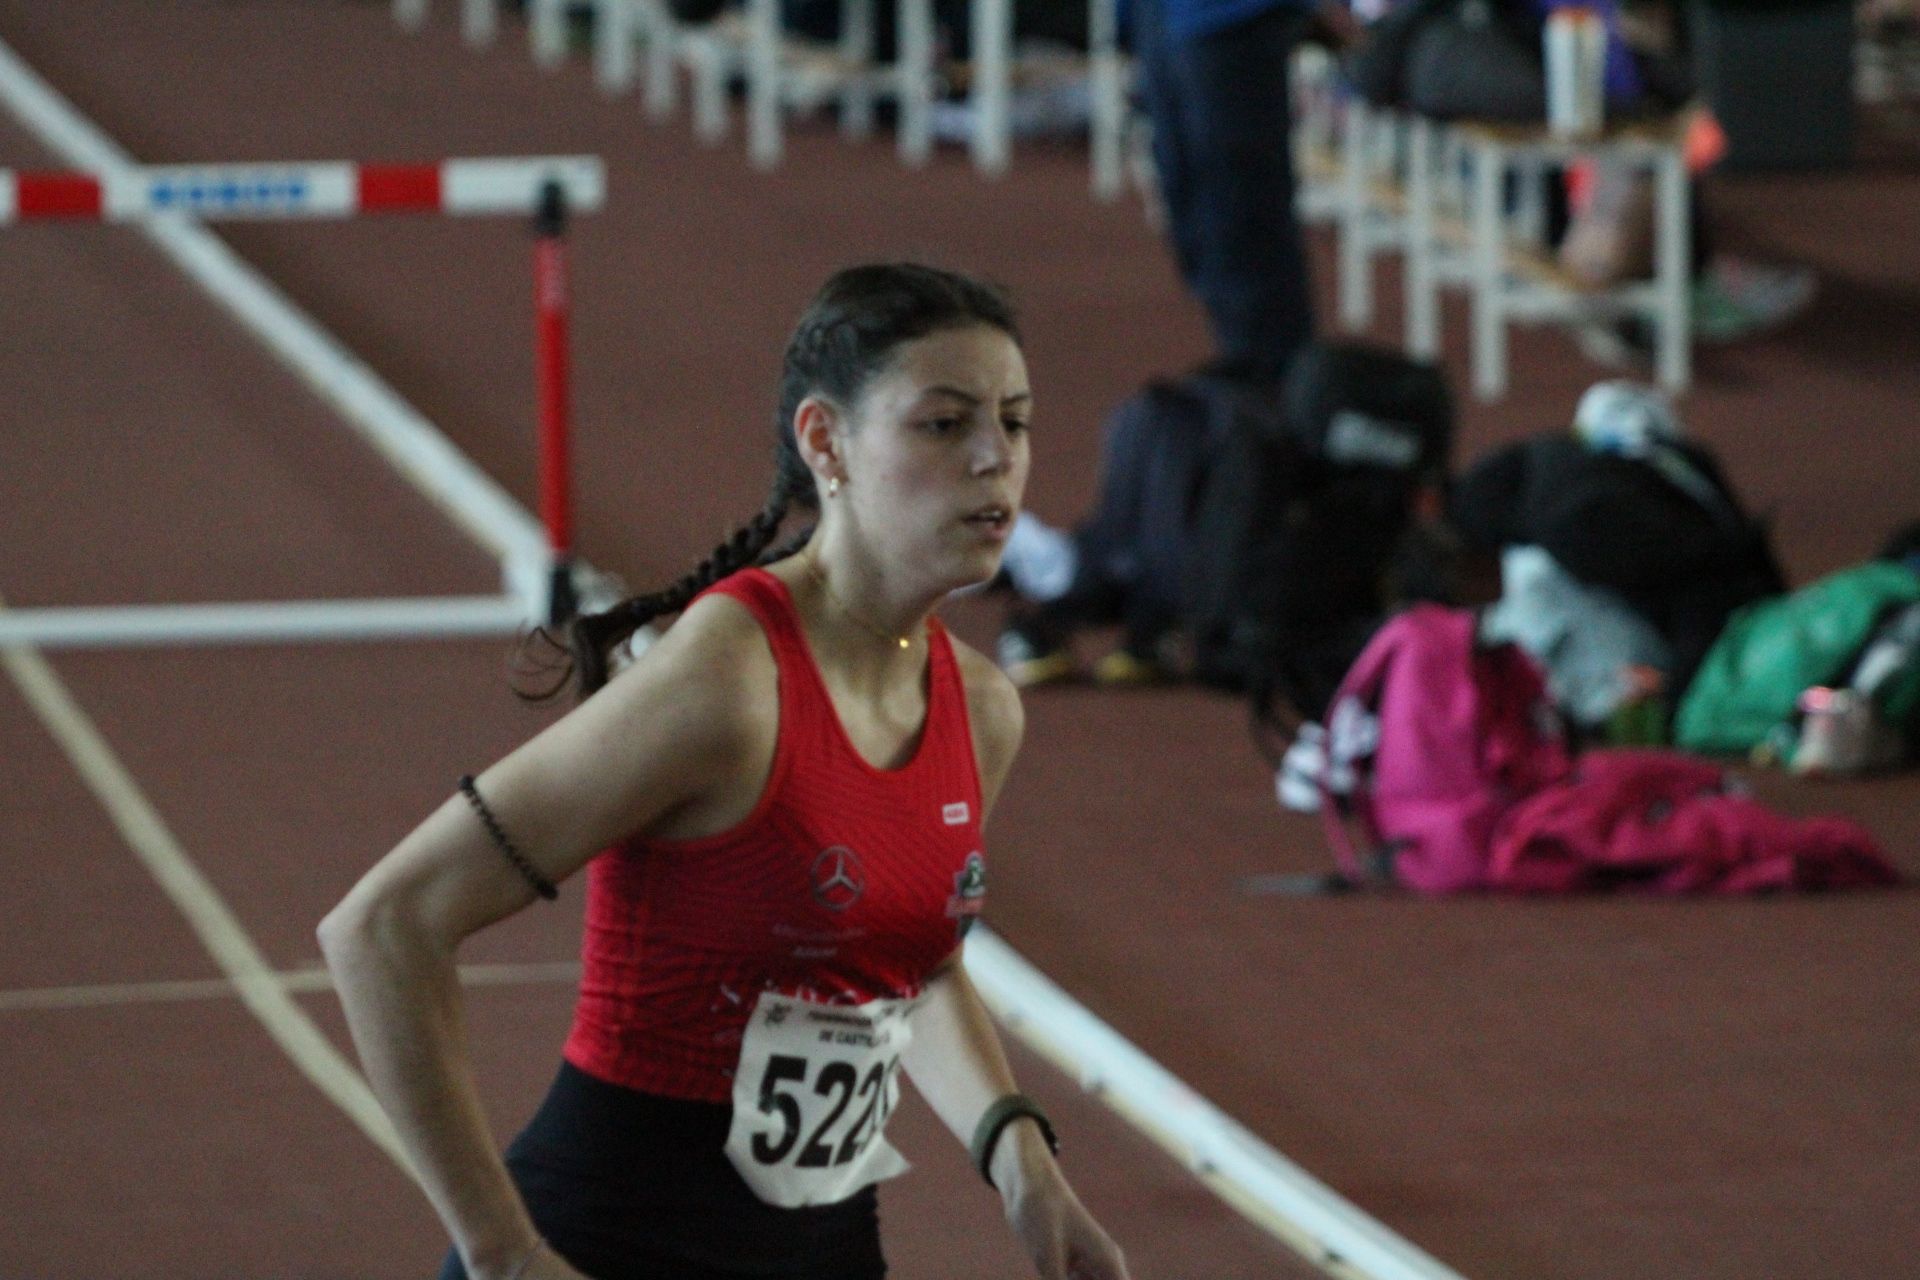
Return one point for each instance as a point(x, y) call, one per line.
point(811, 1098)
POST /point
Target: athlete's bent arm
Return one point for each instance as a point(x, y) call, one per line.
point(650, 744)
point(957, 1063)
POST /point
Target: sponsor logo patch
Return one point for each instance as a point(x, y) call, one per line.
point(838, 878)
point(969, 893)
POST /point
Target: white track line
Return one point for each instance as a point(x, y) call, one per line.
point(293, 981)
point(208, 915)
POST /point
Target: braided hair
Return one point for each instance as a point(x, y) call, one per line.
point(848, 333)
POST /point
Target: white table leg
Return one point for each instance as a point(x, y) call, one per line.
point(1489, 285)
point(914, 77)
point(856, 51)
point(991, 92)
point(1422, 291)
point(479, 22)
point(661, 91)
point(613, 44)
point(1356, 271)
point(547, 31)
point(764, 143)
point(1108, 109)
point(1672, 266)
point(709, 62)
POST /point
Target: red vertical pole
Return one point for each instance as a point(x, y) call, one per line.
point(551, 305)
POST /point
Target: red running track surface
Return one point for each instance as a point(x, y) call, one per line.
point(1571, 1089)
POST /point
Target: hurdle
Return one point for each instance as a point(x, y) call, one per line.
point(538, 569)
point(1336, 1236)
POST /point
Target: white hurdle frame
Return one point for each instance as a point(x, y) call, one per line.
point(472, 499)
point(1313, 1219)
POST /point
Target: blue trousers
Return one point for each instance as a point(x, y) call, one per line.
point(1222, 120)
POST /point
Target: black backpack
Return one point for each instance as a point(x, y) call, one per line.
point(1307, 499)
point(1384, 67)
point(1675, 542)
point(1133, 545)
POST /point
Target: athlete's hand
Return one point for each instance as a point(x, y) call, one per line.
point(1058, 1233)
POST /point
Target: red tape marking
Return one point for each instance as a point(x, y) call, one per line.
point(399, 186)
point(57, 195)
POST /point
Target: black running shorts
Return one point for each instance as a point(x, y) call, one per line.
point(628, 1184)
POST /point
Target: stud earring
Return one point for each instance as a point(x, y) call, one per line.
point(833, 486)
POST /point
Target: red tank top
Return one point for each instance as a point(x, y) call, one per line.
point(845, 884)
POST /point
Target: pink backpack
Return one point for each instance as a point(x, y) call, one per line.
point(1431, 739)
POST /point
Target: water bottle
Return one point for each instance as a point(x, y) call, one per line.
point(1576, 58)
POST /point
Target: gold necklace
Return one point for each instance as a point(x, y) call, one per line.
point(813, 571)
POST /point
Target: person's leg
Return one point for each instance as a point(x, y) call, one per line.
point(1162, 97)
point(1249, 262)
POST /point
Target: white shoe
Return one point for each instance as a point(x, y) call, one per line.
point(1297, 783)
point(1040, 559)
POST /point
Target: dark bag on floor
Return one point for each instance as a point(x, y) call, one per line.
point(1154, 460)
point(1775, 649)
point(1304, 508)
point(1665, 530)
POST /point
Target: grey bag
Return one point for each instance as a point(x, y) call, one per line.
point(1469, 64)
point(1585, 637)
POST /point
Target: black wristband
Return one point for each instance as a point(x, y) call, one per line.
point(986, 1134)
point(541, 885)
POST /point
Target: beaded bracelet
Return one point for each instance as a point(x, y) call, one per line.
point(541, 885)
point(986, 1134)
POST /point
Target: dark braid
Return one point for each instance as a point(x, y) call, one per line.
point(790, 547)
point(847, 335)
point(595, 636)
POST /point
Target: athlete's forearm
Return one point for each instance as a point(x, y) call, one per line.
point(959, 1066)
point(957, 1063)
point(402, 1000)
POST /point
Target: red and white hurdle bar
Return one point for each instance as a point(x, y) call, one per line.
point(328, 189)
point(546, 189)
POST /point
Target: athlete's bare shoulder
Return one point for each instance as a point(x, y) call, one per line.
point(997, 715)
point(709, 684)
point(715, 657)
point(990, 695)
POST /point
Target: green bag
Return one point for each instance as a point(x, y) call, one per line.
point(1774, 649)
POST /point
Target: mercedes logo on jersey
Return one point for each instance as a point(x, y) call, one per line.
point(838, 878)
